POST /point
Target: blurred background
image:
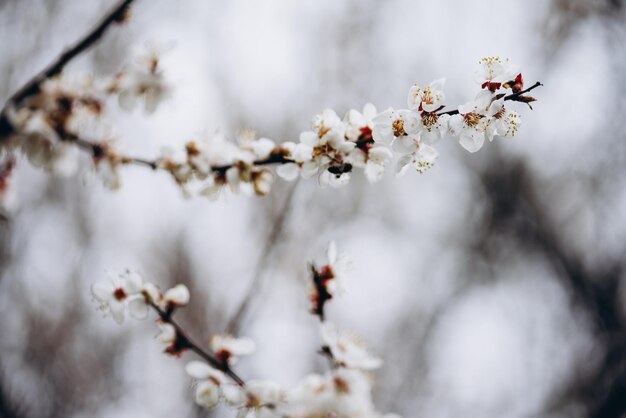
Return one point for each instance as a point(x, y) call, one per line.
point(492, 286)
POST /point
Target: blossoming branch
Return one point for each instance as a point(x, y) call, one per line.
point(58, 111)
point(68, 109)
point(343, 392)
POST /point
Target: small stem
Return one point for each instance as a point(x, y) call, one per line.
point(272, 159)
point(512, 96)
point(189, 343)
point(516, 95)
point(94, 149)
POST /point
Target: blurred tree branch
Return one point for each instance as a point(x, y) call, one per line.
point(116, 15)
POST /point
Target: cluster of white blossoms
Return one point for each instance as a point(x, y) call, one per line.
point(67, 111)
point(344, 391)
point(128, 291)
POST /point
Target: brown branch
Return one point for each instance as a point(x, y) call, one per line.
point(116, 15)
point(320, 281)
point(517, 97)
point(274, 158)
point(96, 151)
point(184, 341)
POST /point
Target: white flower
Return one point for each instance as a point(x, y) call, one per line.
point(340, 265)
point(211, 190)
point(138, 307)
point(377, 160)
point(70, 85)
point(328, 178)
point(311, 397)
point(143, 80)
point(167, 333)
point(262, 181)
point(233, 395)
point(302, 155)
point(493, 72)
point(433, 127)
point(328, 280)
point(263, 394)
point(347, 351)
point(227, 348)
point(112, 296)
point(207, 394)
point(302, 151)
point(326, 122)
point(260, 148)
point(416, 153)
point(392, 124)
point(502, 121)
point(373, 159)
point(342, 393)
point(106, 167)
point(39, 141)
point(291, 171)
point(360, 125)
point(176, 296)
point(202, 371)
point(234, 178)
point(470, 123)
point(151, 293)
point(430, 99)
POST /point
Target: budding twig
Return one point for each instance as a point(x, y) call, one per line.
point(96, 151)
point(275, 158)
point(33, 86)
point(186, 342)
point(513, 96)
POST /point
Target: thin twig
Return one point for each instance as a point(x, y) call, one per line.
point(33, 86)
point(190, 344)
point(512, 96)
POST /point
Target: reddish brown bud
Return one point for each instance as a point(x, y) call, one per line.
point(223, 356)
point(192, 149)
point(526, 99)
point(516, 85)
point(178, 346)
point(491, 86)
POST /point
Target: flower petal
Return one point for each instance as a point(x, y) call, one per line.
point(198, 370)
point(138, 308)
point(289, 171)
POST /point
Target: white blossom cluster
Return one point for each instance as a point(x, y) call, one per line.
point(128, 291)
point(67, 112)
point(342, 392)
